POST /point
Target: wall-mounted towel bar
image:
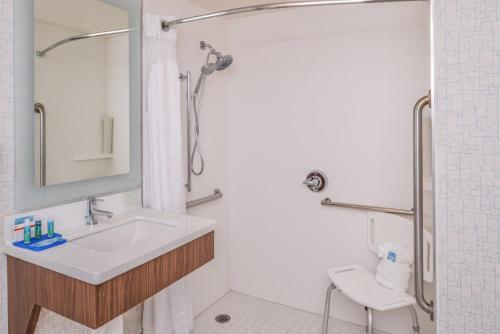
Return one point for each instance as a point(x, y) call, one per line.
point(329, 202)
point(216, 195)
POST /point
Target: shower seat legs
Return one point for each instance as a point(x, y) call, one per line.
point(369, 314)
point(326, 313)
point(414, 318)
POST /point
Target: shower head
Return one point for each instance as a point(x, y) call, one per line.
point(223, 61)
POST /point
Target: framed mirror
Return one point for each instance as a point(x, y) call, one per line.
point(78, 99)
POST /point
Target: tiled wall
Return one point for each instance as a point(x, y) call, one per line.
point(467, 161)
point(6, 136)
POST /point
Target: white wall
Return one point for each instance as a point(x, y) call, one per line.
point(210, 282)
point(330, 89)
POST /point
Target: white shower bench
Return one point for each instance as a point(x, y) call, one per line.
point(360, 285)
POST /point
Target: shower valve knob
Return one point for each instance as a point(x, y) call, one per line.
point(313, 183)
point(316, 181)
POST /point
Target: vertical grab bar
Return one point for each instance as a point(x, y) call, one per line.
point(189, 94)
point(39, 108)
point(427, 306)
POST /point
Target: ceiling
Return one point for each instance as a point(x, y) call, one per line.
point(85, 16)
point(215, 5)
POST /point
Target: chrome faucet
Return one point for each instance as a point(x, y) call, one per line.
point(92, 211)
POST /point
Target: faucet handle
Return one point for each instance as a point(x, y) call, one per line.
point(93, 200)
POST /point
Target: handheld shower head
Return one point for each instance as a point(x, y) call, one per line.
point(221, 63)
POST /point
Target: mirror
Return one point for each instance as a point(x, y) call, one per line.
point(78, 99)
point(81, 90)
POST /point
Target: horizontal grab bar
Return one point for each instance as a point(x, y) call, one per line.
point(216, 195)
point(329, 202)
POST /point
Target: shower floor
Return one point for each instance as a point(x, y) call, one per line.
point(250, 315)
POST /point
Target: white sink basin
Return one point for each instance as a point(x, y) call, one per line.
point(121, 236)
point(99, 253)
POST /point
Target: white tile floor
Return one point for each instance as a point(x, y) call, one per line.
point(251, 315)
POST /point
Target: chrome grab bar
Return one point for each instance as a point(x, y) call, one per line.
point(39, 108)
point(329, 202)
point(427, 306)
point(216, 195)
point(189, 94)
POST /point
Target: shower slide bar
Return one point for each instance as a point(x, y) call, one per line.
point(79, 37)
point(216, 195)
point(166, 25)
point(189, 104)
point(39, 108)
point(329, 202)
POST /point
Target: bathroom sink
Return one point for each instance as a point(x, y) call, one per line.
point(95, 254)
point(121, 236)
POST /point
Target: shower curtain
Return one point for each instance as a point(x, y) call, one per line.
point(170, 311)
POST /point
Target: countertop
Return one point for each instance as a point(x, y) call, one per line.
point(96, 267)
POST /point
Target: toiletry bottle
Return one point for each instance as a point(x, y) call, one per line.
point(38, 227)
point(50, 227)
point(27, 231)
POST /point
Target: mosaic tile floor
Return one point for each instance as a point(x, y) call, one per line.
point(251, 315)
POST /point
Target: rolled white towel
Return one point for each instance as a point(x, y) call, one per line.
point(394, 269)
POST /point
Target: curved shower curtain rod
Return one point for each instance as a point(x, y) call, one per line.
point(166, 25)
point(79, 37)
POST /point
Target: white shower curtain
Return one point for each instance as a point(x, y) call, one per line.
point(170, 311)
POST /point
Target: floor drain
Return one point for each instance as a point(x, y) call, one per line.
point(222, 318)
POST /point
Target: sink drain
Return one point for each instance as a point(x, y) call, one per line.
point(222, 318)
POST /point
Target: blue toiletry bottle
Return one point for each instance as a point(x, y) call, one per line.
point(38, 227)
point(50, 227)
point(27, 231)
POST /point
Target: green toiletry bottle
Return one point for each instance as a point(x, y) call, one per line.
point(50, 227)
point(38, 227)
point(27, 231)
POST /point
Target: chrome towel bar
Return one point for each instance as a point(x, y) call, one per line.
point(329, 202)
point(216, 195)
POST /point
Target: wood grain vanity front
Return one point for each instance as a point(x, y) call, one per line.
point(32, 287)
